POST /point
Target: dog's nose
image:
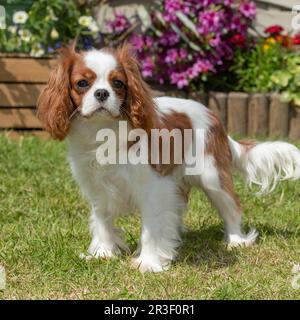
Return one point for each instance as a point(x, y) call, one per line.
point(101, 94)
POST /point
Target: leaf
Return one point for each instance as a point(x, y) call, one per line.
point(281, 78)
point(297, 99)
point(286, 96)
point(185, 38)
point(188, 23)
point(159, 16)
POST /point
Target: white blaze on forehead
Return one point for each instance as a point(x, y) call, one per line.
point(102, 63)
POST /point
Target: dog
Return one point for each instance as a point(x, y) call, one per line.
point(97, 89)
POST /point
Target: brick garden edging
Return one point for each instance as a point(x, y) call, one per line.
point(23, 77)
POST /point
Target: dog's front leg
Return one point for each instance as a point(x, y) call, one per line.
point(105, 241)
point(161, 209)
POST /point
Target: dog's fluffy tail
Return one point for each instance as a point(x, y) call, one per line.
point(265, 164)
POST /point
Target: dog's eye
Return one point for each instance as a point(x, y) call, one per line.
point(82, 84)
point(118, 84)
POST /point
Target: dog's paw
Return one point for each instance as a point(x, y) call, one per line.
point(184, 229)
point(235, 240)
point(101, 250)
point(147, 264)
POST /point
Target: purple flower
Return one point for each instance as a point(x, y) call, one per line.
point(237, 25)
point(180, 79)
point(169, 38)
point(171, 6)
point(119, 24)
point(168, 57)
point(148, 41)
point(248, 9)
point(216, 41)
point(210, 21)
point(147, 68)
point(200, 66)
point(182, 53)
point(138, 42)
point(171, 56)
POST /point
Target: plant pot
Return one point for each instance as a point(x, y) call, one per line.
point(21, 80)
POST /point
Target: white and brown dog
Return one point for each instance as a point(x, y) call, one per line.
point(88, 91)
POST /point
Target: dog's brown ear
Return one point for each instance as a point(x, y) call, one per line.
point(139, 96)
point(54, 105)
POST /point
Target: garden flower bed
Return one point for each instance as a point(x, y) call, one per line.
point(22, 78)
point(188, 48)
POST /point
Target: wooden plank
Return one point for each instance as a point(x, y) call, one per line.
point(25, 70)
point(258, 115)
point(176, 93)
point(199, 96)
point(237, 113)
point(218, 104)
point(17, 134)
point(19, 95)
point(295, 124)
point(279, 117)
point(19, 118)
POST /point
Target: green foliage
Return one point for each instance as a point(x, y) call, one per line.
point(254, 68)
point(268, 67)
point(287, 79)
point(45, 26)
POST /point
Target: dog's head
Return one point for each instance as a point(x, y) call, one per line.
point(97, 83)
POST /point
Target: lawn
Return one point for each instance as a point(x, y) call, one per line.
point(44, 228)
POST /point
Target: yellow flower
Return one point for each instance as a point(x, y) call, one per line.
point(54, 34)
point(266, 47)
point(20, 17)
point(271, 40)
point(85, 21)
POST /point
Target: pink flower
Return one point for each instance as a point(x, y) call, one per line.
point(138, 42)
point(147, 67)
point(171, 56)
point(180, 79)
point(168, 57)
point(120, 23)
point(169, 38)
point(210, 21)
point(148, 41)
point(182, 53)
point(199, 67)
point(248, 9)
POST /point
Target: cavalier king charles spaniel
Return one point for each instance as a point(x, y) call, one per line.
point(94, 90)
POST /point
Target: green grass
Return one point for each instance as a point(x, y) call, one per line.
point(44, 228)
